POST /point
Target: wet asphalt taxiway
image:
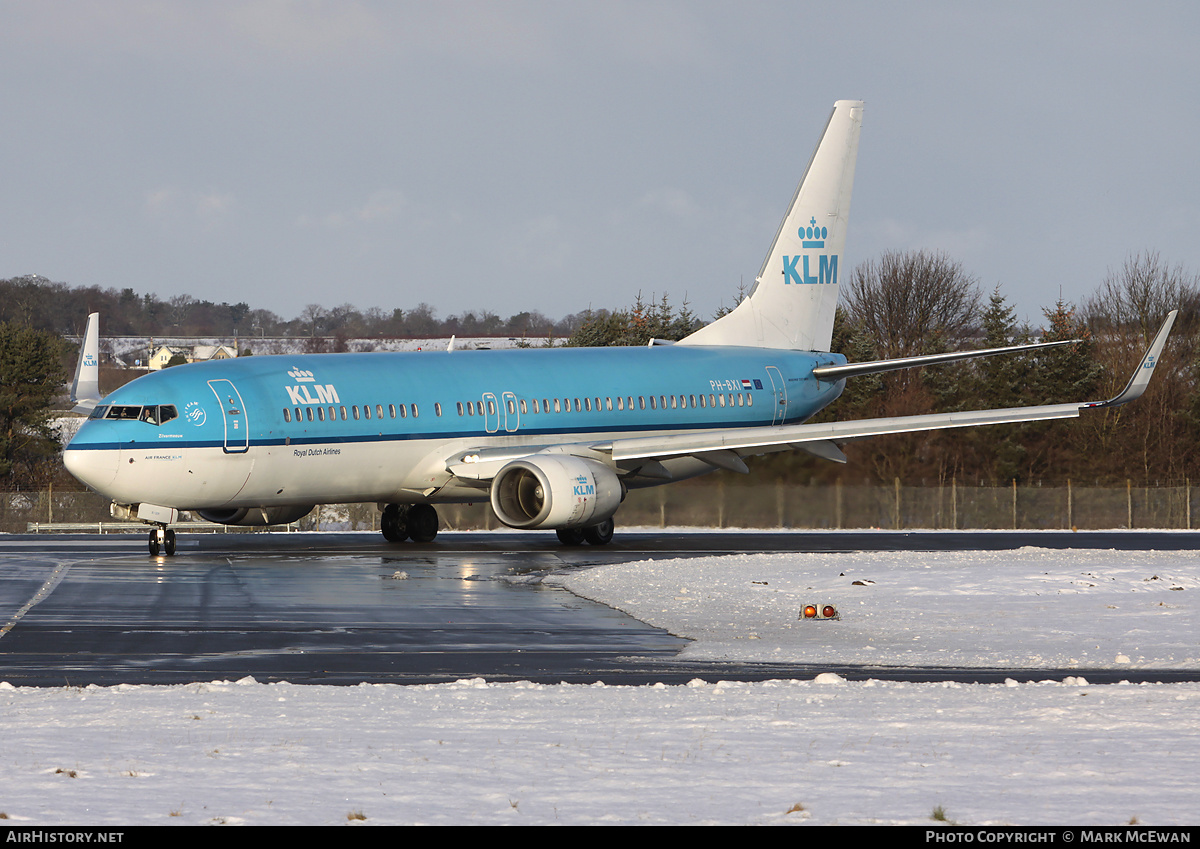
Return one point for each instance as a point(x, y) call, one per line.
point(350, 608)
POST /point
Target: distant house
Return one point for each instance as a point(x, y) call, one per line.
point(194, 354)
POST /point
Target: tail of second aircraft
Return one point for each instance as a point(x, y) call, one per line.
point(795, 295)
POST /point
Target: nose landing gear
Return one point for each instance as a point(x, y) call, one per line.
point(162, 539)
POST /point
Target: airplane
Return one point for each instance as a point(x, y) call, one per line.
point(554, 438)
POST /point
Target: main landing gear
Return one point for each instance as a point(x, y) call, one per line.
point(418, 522)
point(162, 539)
point(600, 534)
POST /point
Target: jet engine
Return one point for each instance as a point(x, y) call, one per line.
point(555, 491)
point(256, 516)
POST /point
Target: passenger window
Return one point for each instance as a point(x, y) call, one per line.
point(460, 409)
point(299, 415)
point(379, 411)
point(308, 413)
point(354, 410)
point(367, 410)
point(557, 406)
point(437, 408)
point(523, 409)
point(749, 400)
point(512, 410)
point(287, 414)
point(653, 403)
point(321, 413)
point(620, 403)
point(414, 410)
point(642, 402)
point(391, 411)
point(343, 413)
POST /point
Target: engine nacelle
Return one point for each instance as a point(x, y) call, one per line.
point(555, 491)
point(256, 516)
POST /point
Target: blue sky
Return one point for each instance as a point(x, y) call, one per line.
point(554, 156)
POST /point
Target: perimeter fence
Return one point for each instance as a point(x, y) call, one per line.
point(717, 504)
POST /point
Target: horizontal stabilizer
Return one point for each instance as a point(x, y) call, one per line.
point(877, 366)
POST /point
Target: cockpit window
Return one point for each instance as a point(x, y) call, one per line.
point(161, 414)
point(155, 414)
point(121, 412)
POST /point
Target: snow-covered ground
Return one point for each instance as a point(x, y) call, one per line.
point(1062, 751)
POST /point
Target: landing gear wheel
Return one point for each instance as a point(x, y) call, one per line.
point(394, 523)
point(162, 539)
point(600, 534)
point(422, 522)
point(570, 536)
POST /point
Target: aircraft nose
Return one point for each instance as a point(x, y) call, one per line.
point(95, 468)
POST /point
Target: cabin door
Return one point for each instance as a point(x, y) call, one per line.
point(491, 413)
point(780, 392)
point(237, 433)
point(512, 415)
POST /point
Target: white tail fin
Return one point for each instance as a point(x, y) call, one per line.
point(795, 295)
point(85, 389)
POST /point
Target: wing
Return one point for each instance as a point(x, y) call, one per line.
point(719, 446)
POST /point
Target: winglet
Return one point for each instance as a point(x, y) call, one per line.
point(85, 389)
point(1145, 370)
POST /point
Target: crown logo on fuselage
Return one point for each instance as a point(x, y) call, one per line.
point(301, 376)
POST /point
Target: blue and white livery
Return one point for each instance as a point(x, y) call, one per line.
point(554, 438)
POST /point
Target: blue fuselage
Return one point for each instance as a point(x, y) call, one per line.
point(383, 426)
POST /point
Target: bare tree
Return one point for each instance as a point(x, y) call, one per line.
point(913, 303)
point(1136, 299)
point(1149, 440)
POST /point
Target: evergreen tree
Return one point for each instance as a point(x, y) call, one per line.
point(31, 374)
point(634, 326)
